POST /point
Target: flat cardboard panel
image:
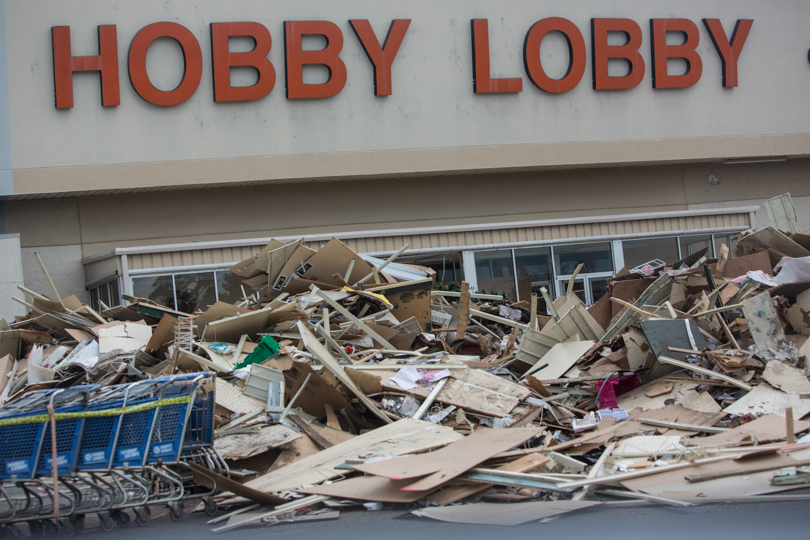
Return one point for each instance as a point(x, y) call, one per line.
point(411, 299)
point(765, 399)
point(231, 329)
point(446, 463)
point(739, 266)
point(457, 491)
point(218, 311)
point(244, 445)
point(368, 488)
point(786, 377)
point(246, 268)
point(682, 394)
point(560, 358)
point(402, 437)
point(629, 291)
point(765, 429)
point(334, 258)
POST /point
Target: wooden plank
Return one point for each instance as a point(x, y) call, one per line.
point(463, 310)
point(710, 373)
point(314, 346)
point(311, 433)
point(402, 437)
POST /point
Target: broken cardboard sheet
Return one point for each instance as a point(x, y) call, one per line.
point(316, 394)
point(503, 514)
point(231, 329)
point(740, 266)
point(218, 311)
point(127, 336)
point(683, 394)
point(560, 358)
point(231, 397)
point(334, 258)
point(652, 445)
point(296, 265)
point(404, 436)
point(742, 481)
point(786, 377)
point(162, 334)
point(447, 463)
point(188, 361)
point(765, 429)
point(473, 390)
point(765, 399)
point(368, 488)
point(247, 268)
point(272, 261)
point(243, 446)
point(460, 490)
point(680, 415)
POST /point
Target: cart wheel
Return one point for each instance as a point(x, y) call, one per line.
point(36, 528)
point(78, 522)
point(107, 524)
point(51, 528)
point(211, 507)
point(141, 517)
point(176, 512)
point(66, 528)
point(122, 518)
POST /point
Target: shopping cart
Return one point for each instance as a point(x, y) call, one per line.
point(117, 448)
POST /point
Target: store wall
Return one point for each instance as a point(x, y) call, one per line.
point(431, 123)
point(11, 275)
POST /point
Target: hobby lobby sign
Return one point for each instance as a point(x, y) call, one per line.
point(611, 40)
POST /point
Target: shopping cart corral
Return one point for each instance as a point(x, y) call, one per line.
point(111, 451)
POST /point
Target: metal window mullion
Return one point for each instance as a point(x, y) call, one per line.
point(216, 287)
point(174, 291)
point(514, 275)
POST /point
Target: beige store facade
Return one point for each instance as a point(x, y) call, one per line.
point(505, 152)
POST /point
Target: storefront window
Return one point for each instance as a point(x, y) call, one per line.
point(534, 271)
point(194, 291)
point(638, 252)
point(159, 289)
point(594, 258)
point(446, 265)
point(229, 287)
point(728, 239)
point(496, 272)
point(693, 244)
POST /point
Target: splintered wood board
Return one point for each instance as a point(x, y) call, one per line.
point(402, 437)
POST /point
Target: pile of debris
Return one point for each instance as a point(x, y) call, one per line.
point(344, 379)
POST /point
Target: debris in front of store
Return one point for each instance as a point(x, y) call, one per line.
point(343, 380)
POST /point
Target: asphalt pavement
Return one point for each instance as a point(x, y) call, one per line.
point(738, 521)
